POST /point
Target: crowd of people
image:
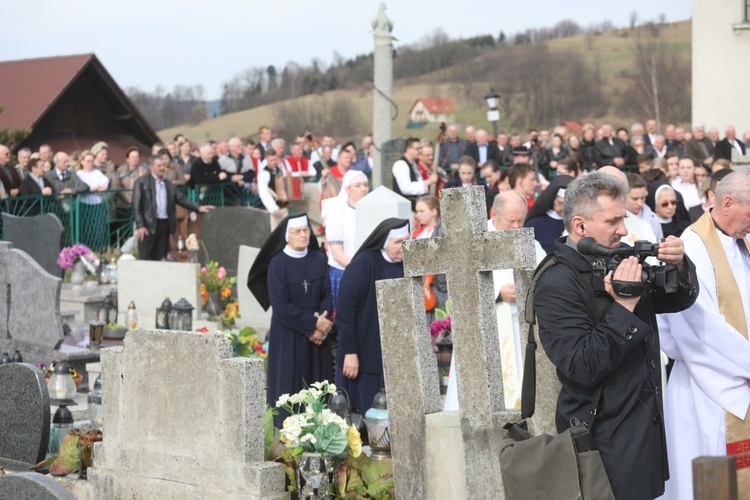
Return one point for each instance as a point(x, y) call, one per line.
point(616, 186)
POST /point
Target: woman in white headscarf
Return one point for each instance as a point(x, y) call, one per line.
point(340, 226)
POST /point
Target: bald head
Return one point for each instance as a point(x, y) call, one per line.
point(614, 171)
point(4, 154)
point(508, 211)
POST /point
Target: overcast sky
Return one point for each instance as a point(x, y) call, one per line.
point(145, 43)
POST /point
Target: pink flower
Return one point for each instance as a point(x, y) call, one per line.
point(204, 270)
point(222, 272)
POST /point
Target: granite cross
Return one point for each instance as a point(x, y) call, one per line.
point(466, 253)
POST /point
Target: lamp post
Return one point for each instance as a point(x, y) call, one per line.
point(493, 115)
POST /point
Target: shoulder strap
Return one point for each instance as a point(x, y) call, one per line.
point(528, 388)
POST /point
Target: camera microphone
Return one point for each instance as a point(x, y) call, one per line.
point(589, 246)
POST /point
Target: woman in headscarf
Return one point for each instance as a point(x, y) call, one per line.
point(359, 360)
point(340, 226)
point(663, 200)
point(546, 214)
point(290, 274)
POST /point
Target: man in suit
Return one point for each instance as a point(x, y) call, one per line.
point(451, 149)
point(64, 180)
point(154, 210)
point(483, 150)
point(700, 146)
point(611, 149)
point(658, 147)
point(264, 133)
point(725, 146)
point(650, 136)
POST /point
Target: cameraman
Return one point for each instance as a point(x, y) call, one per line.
point(622, 352)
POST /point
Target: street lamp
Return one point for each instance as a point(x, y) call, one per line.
point(493, 115)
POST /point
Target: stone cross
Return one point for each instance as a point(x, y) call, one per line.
point(467, 253)
point(383, 89)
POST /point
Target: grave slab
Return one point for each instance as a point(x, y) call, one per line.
point(148, 283)
point(24, 416)
point(41, 237)
point(30, 313)
point(225, 229)
point(196, 432)
point(32, 486)
point(376, 207)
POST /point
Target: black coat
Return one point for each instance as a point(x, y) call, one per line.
point(608, 152)
point(493, 152)
point(622, 354)
point(724, 149)
point(202, 173)
point(144, 203)
point(591, 157)
point(29, 187)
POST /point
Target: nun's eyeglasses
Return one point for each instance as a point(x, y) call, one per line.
point(299, 231)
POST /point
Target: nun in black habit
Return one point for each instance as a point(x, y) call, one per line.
point(291, 275)
point(543, 217)
point(359, 358)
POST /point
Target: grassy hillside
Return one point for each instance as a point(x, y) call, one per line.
point(611, 52)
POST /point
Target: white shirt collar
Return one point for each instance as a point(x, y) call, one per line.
point(294, 253)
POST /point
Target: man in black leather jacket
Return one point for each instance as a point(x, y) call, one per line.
point(154, 206)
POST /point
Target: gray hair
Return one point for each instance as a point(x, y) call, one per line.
point(502, 199)
point(581, 195)
point(736, 185)
point(24, 150)
point(205, 145)
point(277, 141)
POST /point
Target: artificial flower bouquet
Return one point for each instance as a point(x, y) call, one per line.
point(312, 427)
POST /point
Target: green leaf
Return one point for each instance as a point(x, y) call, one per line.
point(448, 307)
point(374, 471)
point(69, 458)
point(379, 488)
point(440, 314)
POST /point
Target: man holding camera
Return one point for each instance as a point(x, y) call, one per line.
point(620, 352)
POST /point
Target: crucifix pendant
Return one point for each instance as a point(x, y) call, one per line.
point(305, 284)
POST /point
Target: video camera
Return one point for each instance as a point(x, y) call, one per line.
point(661, 279)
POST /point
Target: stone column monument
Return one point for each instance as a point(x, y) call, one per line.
point(383, 90)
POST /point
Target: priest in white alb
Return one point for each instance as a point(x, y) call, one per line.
point(708, 395)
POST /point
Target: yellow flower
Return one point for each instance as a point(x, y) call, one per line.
point(355, 441)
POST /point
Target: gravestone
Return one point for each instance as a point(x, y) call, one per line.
point(32, 486)
point(182, 418)
point(393, 150)
point(466, 254)
point(224, 229)
point(147, 283)
point(42, 237)
point(24, 416)
point(251, 313)
point(30, 319)
point(374, 208)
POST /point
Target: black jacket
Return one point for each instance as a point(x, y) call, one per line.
point(201, 173)
point(724, 149)
point(591, 158)
point(493, 152)
point(29, 187)
point(622, 354)
point(144, 203)
point(608, 152)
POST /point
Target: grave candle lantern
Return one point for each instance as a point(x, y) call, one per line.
point(108, 312)
point(96, 333)
point(94, 400)
point(62, 424)
point(61, 384)
point(131, 317)
point(182, 316)
point(378, 427)
point(163, 315)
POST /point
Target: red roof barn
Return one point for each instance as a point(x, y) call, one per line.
point(70, 103)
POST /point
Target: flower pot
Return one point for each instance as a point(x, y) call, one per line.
point(78, 273)
point(314, 475)
point(213, 306)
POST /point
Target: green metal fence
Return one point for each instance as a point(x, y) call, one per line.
point(105, 219)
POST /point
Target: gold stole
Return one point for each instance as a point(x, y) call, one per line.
point(731, 307)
